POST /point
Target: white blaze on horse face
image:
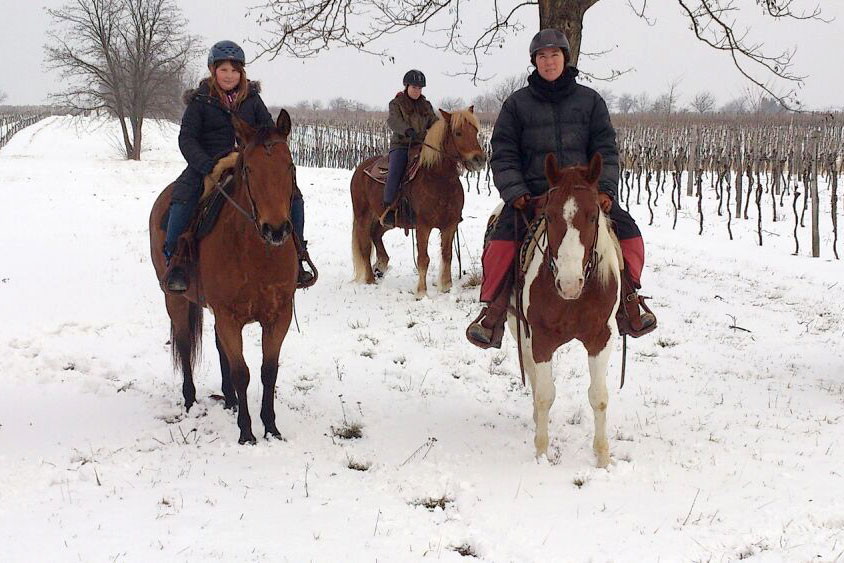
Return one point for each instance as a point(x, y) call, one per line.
point(569, 276)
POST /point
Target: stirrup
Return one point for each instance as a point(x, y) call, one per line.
point(388, 221)
point(303, 282)
point(624, 324)
point(484, 337)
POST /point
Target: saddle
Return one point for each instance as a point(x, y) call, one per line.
point(378, 170)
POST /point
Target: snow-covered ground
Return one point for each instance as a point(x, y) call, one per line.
point(726, 444)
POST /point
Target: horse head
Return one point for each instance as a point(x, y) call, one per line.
point(267, 173)
point(463, 127)
point(572, 215)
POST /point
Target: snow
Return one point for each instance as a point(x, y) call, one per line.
point(726, 444)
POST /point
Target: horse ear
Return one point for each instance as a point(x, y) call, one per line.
point(595, 168)
point(471, 109)
point(283, 123)
point(446, 115)
point(242, 130)
point(551, 168)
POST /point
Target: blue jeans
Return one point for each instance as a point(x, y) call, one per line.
point(396, 166)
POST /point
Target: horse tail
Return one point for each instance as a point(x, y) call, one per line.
point(359, 230)
point(187, 344)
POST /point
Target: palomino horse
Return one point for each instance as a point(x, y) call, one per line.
point(247, 270)
point(436, 197)
point(571, 291)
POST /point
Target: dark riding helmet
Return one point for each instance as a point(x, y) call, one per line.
point(550, 38)
point(414, 78)
point(226, 51)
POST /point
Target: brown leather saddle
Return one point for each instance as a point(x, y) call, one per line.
point(378, 169)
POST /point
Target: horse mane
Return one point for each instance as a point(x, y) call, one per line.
point(436, 136)
point(608, 249)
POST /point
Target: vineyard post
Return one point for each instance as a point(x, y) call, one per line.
point(813, 154)
point(739, 173)
point(692, 165)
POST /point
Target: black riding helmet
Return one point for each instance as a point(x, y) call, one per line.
point(414, 78)
point(550, 38)
point(226, 51)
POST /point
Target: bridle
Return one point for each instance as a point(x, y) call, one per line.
point(243, 172)
point(591, 263)
point(457, 159)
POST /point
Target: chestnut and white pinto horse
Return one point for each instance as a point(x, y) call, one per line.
point(571, 291)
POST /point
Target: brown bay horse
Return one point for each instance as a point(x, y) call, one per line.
point(436, 196)
point(571, 291)
point(247, 268)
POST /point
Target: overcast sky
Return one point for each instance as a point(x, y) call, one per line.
point(658, 55)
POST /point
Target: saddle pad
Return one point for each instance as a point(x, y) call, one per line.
point(209, 210)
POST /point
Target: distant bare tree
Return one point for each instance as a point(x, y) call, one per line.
point(668, 102)
point(303, 28)
point(452, 103)
point(625, 103)
point(129, 57)
point(3, 96)
point(610, 98)
point(642, 103)
point(502, 90)
point(316, 105)
point(735, 106)
point(703, 102)
point(485, 103)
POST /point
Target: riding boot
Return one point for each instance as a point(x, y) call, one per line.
point(175, 278)
point(630, 319)
point(487, 330)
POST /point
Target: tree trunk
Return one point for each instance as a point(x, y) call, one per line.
point(127, 143)
point(137, 125)
point(567, 16)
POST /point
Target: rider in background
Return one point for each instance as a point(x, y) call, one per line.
point(206, 135)
point(552, 114)
point(411, 114)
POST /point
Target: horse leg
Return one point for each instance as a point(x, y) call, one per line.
point(542, 387)
point(272, 337)
point(422, 259)
point(446, 241)
point(230, 334)
point(598, 398)
point(362, 251)
point(382, 258)
point(225, 371)
point(185, 339)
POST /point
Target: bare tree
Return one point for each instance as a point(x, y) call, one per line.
point(2, 96)
point(451, 103)
point(609, 98)
point(507, 86)
point(668, 102)
point(625, 103)
point(304, 28)
point(485, 103)
point(642, 103)
point(128, 57)
point(735, 106)
point(703, 102)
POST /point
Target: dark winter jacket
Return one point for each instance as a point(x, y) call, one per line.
point(207, 131)
point(560, 117)
point(407, 113)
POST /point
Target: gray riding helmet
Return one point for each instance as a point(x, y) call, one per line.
point(550, 38)
point(226, 51)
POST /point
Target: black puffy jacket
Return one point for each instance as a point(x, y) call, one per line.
point(560, 117)
point(207, 131)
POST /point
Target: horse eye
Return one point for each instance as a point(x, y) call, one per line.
point(458, 133)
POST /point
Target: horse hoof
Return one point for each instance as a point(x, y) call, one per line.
point(378, 274)
point(420, 295)
point(251, 440)
point(231, 406)
point(277, 435)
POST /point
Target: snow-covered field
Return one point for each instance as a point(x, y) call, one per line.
point(726, 444)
